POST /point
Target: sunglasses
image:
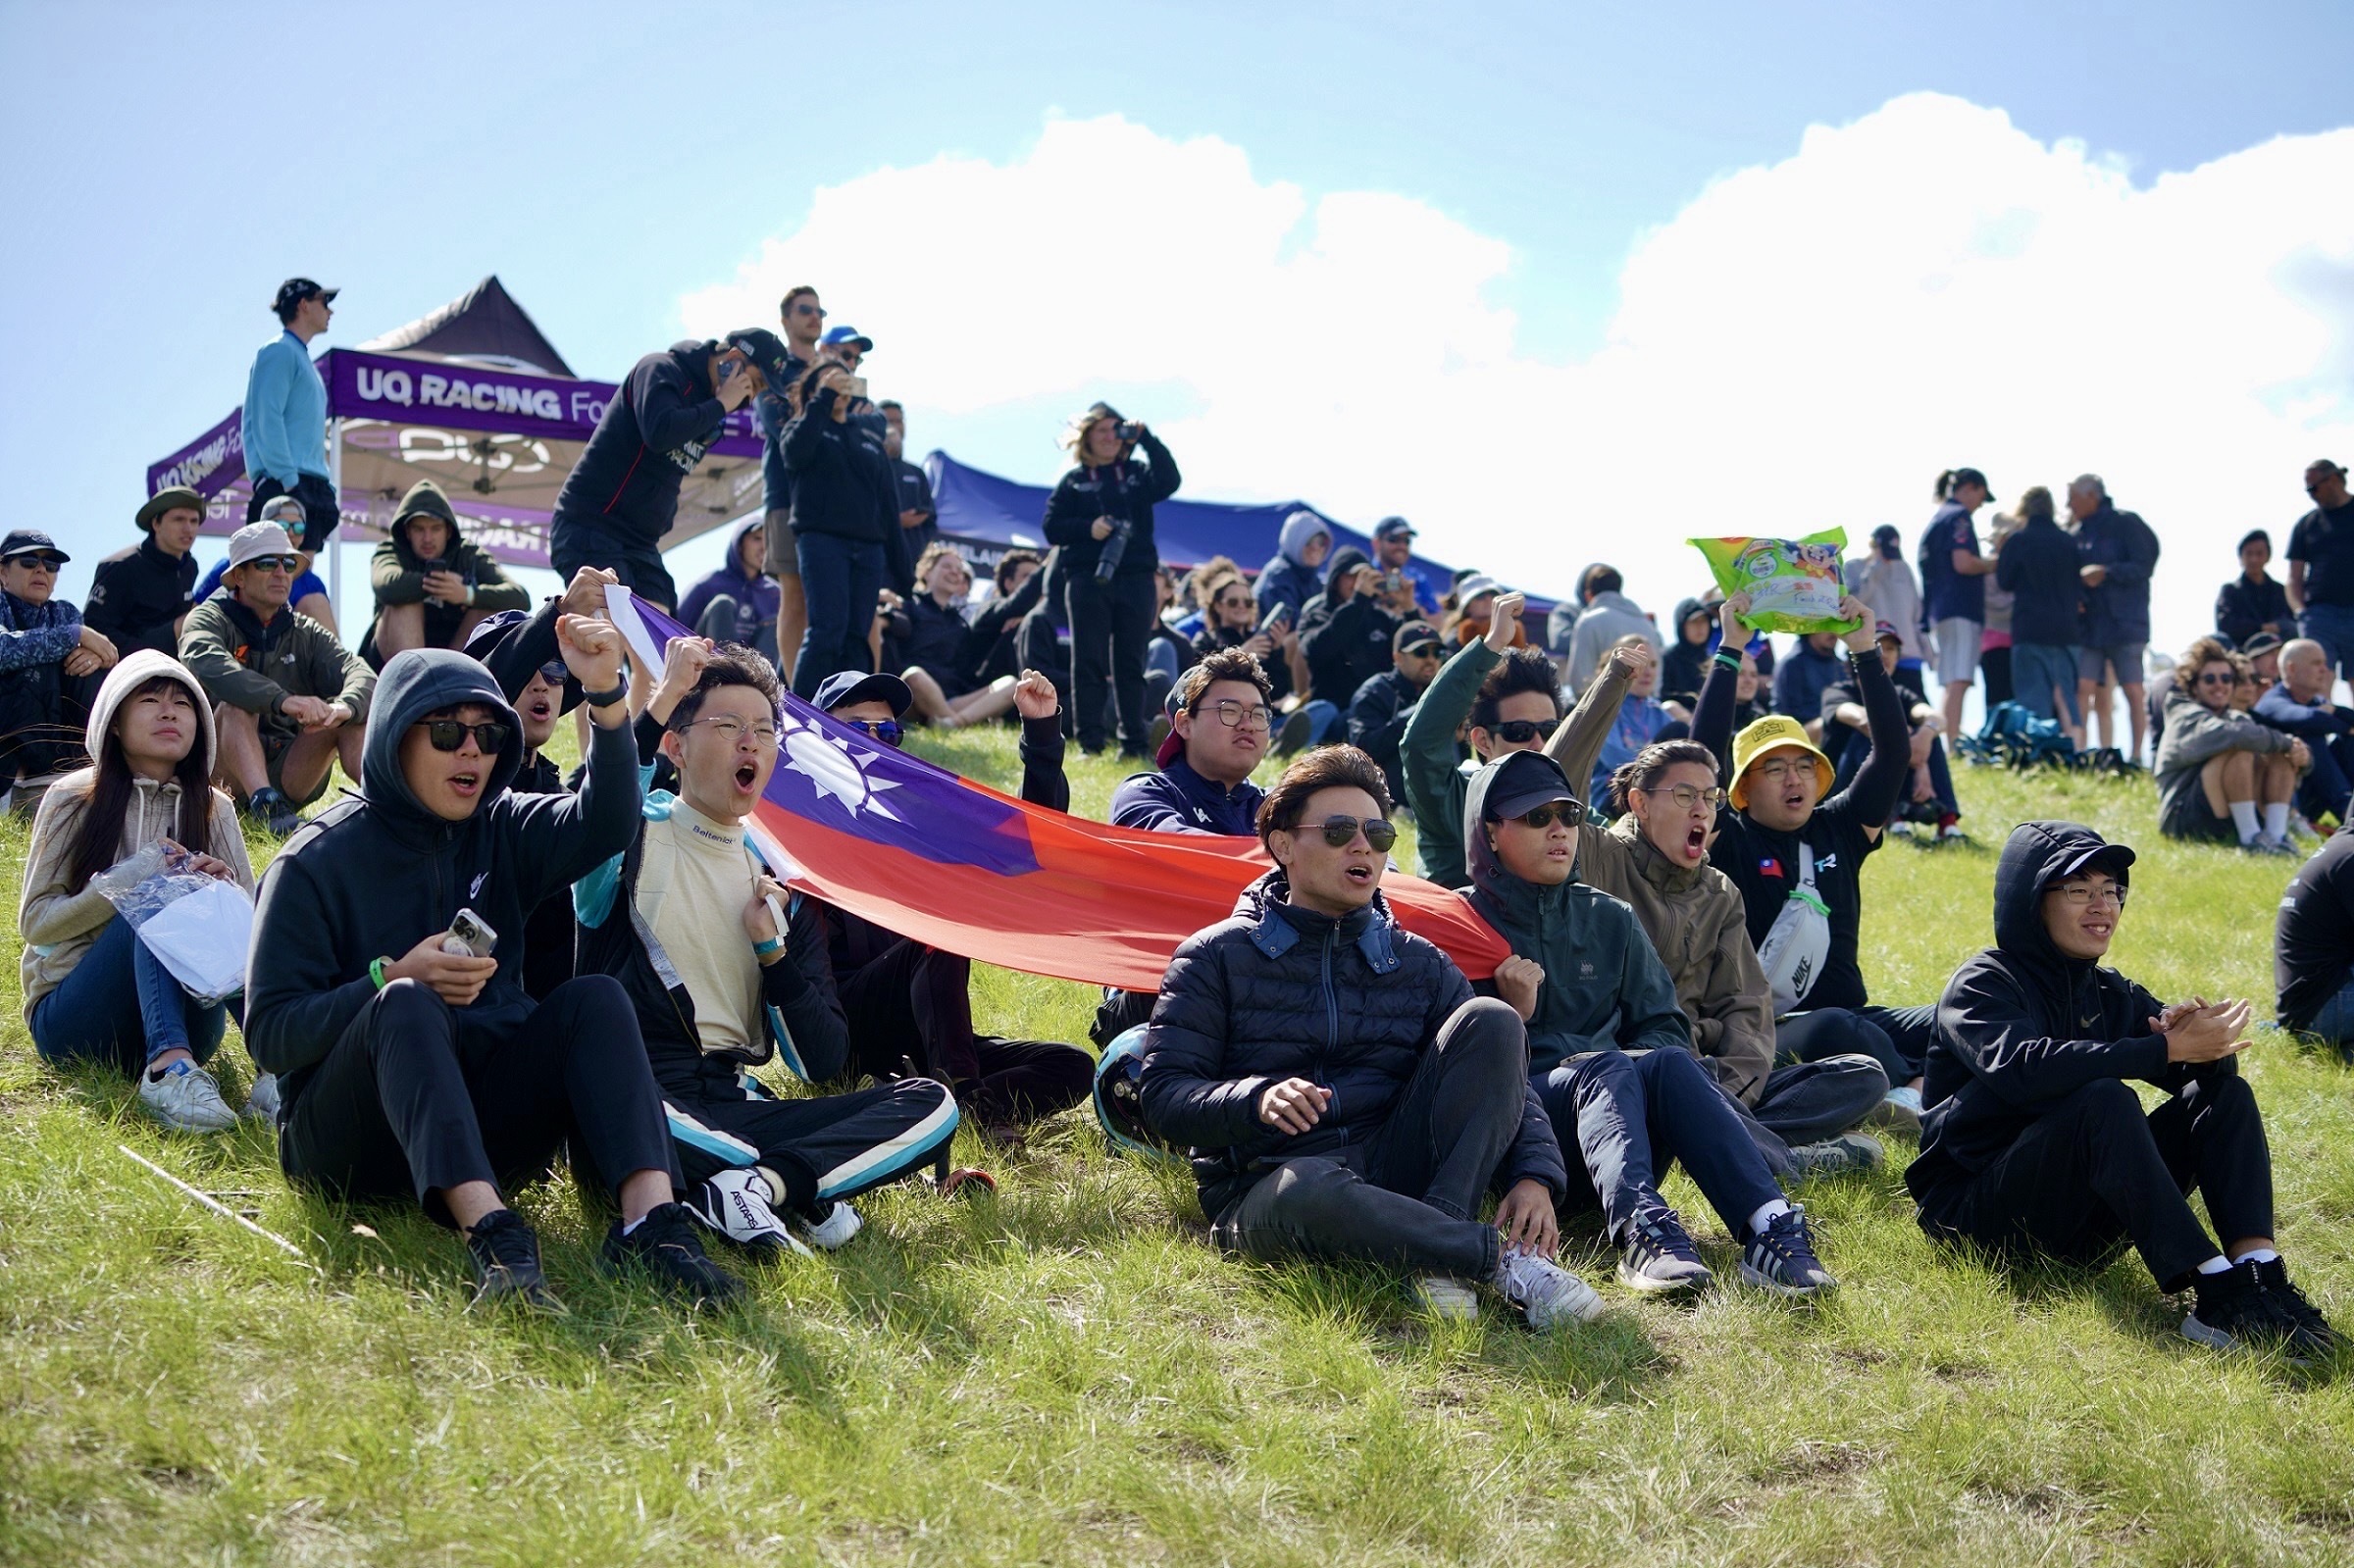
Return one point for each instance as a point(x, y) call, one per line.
point(1421, 650)
point(1569, 813)
point(1340, 831)
point(275, 563)
point(554, 672)
point(2218, 678)
point(1520, 732)
point(886, 731)
point(448, 734)
point(47, 563)
point(804, 307)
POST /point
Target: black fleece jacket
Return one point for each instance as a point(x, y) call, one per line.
point(1125, 488)
point(1279, 991)
point(662, 419)
point(137, 595)
point(376, 874)
point(2023, 1025)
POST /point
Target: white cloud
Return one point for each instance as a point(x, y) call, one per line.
point(1805, 344)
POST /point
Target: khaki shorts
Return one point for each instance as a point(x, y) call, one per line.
point(778, 559)
point(276, 743)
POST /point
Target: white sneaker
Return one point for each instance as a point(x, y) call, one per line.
point(735, 1204)
point(840, 1223)
point(262, 1099)
point(1548, 1293)
point(186, 1099)
point(1447, 1298)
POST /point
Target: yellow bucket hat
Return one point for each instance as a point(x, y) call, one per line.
point(1771, 734)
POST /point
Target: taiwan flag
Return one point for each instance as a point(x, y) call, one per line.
point(956, 864)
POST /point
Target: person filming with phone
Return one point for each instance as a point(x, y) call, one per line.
point(386, 987)
point(845, 522)
point(1101, 514)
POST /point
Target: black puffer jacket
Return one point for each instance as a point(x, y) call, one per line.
point(2023, 1025)
point(1278, 991)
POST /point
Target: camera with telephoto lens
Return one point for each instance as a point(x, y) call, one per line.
point(1115, 546)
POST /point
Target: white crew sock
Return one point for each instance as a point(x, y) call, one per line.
point(1766, 1213)
point(2275, 821)
point(2244, 817)
point(631, 1227)
point(2261, 1254)
point(2218, 1264)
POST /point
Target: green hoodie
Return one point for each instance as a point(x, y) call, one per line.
point(1604, 989)
point(1432, 760)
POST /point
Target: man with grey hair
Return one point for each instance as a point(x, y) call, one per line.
point(2321, 565)
point(2299, 703)
point(2117, 552)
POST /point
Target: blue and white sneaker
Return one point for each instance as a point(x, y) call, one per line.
point(1781, 1257)
point(1658, 1257)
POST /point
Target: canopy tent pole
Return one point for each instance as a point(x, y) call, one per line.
point(335, 553)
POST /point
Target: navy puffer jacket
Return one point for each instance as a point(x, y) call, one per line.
point(1278, 991)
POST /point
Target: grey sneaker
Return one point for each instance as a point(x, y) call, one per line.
point(1447, 1298)
point(186, 1099)
point(262, 1100)
point(1658, 1257)
point(1781, 1257)
point(1835, 1156)
point(1546, 1293)
point(2273, 846)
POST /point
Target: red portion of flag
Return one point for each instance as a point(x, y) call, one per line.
point(1108, 905)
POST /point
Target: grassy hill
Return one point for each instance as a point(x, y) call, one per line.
point(1067, 1373)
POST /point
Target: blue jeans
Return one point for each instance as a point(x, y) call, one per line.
point(2333, 627)
point(1623, 1120)
point(2335, 1022)
point(2039, 669)
point(841, 579)
point(1323, 719)
point(122, 1005)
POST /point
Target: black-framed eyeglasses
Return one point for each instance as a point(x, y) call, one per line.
point(886, 731)
point(1520, 732)
point(1421, 650)
point(1341, 832)
point(1569, 813)
point(449, 735)
point(1686, 796)
point(1234, 716)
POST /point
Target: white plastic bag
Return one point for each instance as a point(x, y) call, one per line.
point(202, 939)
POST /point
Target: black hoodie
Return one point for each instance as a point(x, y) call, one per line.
point(1686, 664)
point(1346, 636)
point(657, 428)
point(2023, 1025)
point(378, 874)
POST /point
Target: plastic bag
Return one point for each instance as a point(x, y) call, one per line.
point(1793, 585)
point(199, 925)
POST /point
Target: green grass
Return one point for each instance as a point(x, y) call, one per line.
point(1067, 1373)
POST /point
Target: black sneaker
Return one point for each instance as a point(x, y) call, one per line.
point(2235, 1312)
point(273, 811)
point(2310, 1337)
point(1781, 1257)
point(506, 1253)
point(1294, 732)
point(1658, 1257)
point(664, 1246)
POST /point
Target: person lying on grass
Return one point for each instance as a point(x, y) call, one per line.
point(409, 1068)
point(727, 969)
point(1798, 859)
point(1655, 858)
point(1611, 1054)
point(93, 991)
point(2217, 768)
point(910, 1006)
point(1343, 1093)
point(2036, 1144)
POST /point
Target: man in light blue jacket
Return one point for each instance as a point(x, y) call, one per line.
point(286, 414)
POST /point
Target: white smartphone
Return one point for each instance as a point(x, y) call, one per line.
point(468, 936)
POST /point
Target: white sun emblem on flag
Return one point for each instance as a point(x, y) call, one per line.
point(835, 770)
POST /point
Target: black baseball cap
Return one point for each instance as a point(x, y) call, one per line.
point(1523, 782)
point(294, 290)
point(29, 541)
point(1390, 527)
point(768, 354)
point(1413, 631)
point(1970, 476)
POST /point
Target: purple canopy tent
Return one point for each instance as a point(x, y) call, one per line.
point(475, 397)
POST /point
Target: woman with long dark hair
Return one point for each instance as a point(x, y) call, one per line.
point(92, 990)
point(1101, 515)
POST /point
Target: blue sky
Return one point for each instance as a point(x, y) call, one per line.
point(167, 165)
